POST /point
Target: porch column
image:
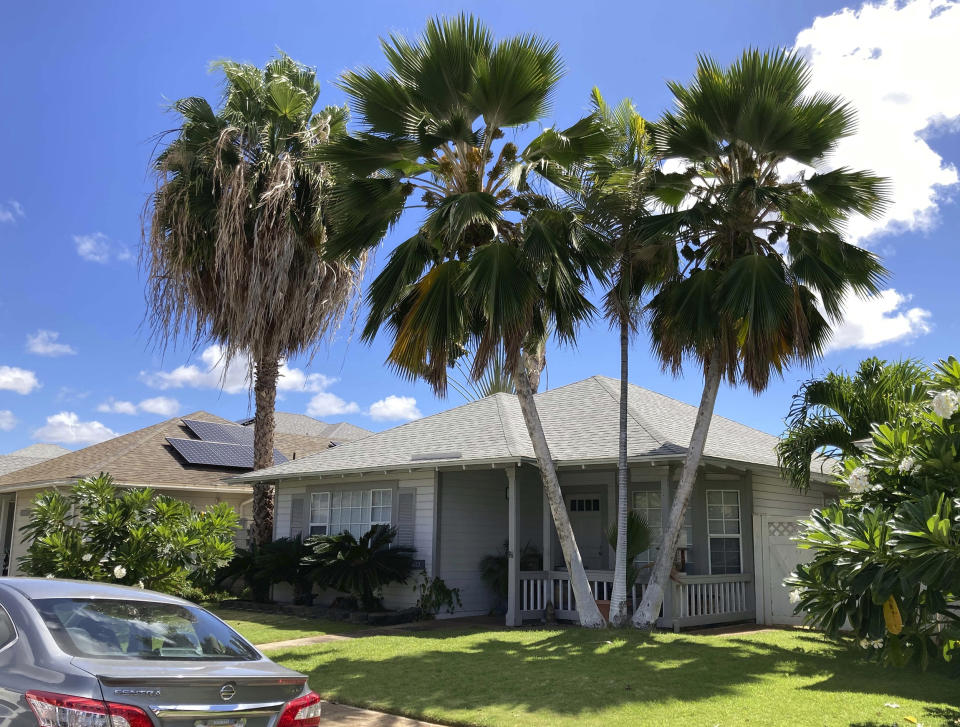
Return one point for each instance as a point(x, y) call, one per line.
point(513, 545)
point(547, 534)
point(666, 499)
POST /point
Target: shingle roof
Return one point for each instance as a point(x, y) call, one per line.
point(286, 422)
point(144, 457)
point(580, 421)
point(29, 456)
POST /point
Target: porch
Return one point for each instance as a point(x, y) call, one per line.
point(714, 582)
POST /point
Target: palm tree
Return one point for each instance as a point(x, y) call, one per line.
point(234, 234)
point(611, 191)
point(765, 264)
point(496, 378)
point(830, 415)
point(496, 262)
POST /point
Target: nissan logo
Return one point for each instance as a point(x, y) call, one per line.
point(227, 692)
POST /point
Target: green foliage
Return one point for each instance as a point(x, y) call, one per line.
point(494, 568)
point(829, 415)
point(100, 532)
point(887, 555)
point(495, 262)
point(762, 252)
point(359, 567)
point(280, 561)
point(434, 595)
point(638, 540)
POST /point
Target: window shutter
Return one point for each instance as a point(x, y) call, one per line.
point(297, 517)
point(405, 519)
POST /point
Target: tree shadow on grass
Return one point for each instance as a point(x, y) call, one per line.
point(457, 675)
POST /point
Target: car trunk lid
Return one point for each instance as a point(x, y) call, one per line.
point(188, 694)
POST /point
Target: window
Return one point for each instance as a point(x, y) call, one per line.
point(647, 504)
point(319, 513)
point(8, 633)
point(723, 530)
point(352, 511)
point(584, 505)
point(114, 629)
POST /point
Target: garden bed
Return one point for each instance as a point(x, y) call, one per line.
point(328, 613)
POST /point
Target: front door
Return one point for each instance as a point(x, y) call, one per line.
point(780, 556)
point(586, 518)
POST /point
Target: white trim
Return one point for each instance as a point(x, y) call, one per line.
point(310, 522)
point(739, 534)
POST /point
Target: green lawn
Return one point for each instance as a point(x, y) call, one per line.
point(575, 677)
point(263, 628)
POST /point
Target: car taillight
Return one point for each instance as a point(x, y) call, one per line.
point(301, 712)
point(62, 710)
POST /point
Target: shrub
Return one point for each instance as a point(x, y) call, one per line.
point(100, 532)
point(494, 569)
point(435, 595)
point(638, 540)
point(887, 555)
point(359, 567)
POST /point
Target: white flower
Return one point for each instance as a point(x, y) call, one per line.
point(795, 596)
point(51, 576)
point(119, 572)
point(945, 403)
point(864, 643)
point(908, 465)
point(923, 587)
point(140, 585)
point(86, 557)
point(877, 643)
point(859, 480)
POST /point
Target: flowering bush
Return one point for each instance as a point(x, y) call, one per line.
point(887, 555)
point(99, 532)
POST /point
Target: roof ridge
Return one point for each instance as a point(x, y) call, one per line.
point(640, 421)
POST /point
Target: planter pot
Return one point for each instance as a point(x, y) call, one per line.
point(604, 607)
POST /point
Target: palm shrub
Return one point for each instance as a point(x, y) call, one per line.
point(764, 268)
point(887, 556)
point(638, 540)
point(360, 567)
point(831, 414)
point(496, 262)
point(97, 531)
point(244, 569)
point(235, 234)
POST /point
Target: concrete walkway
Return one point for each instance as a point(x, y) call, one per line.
point(340, 715)
point(305, 641)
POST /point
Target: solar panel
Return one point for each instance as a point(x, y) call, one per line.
point(219, 454)
point(214, 432)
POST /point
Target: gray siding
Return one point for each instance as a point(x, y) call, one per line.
point(473, 523)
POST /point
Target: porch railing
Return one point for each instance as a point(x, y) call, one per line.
point(697, 600)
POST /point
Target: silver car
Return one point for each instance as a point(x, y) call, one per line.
point(78, 654)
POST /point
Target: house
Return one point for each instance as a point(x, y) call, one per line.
point(188, 457)
point(461, 483)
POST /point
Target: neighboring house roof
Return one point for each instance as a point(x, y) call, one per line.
point(29, 456)
point(289, 423)
point(145, 457)
point(580, 421)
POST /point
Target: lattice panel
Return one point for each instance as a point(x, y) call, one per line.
point(783, 529)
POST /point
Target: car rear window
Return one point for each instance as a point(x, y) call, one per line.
point(110, 629)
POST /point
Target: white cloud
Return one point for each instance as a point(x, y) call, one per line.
point(19, 380)
point(327, 404)
point(44, 343)
point(879, 320)
point(98, 248)
point(115, 406)
point(162, 405)
point(67, 428)
point(210, 374)
point(7, 420)
point(11, 211)
point(394, 408)
point(895, 63)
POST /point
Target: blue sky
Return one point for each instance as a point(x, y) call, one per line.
point(85, 88)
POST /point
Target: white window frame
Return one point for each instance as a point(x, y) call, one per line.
point(382, 495)
point(738, 535)
point(326, 510)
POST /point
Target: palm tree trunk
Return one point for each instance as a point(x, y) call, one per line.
point(587, 609)
point(618, 599)
point(265, 394)
point(646, 616)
